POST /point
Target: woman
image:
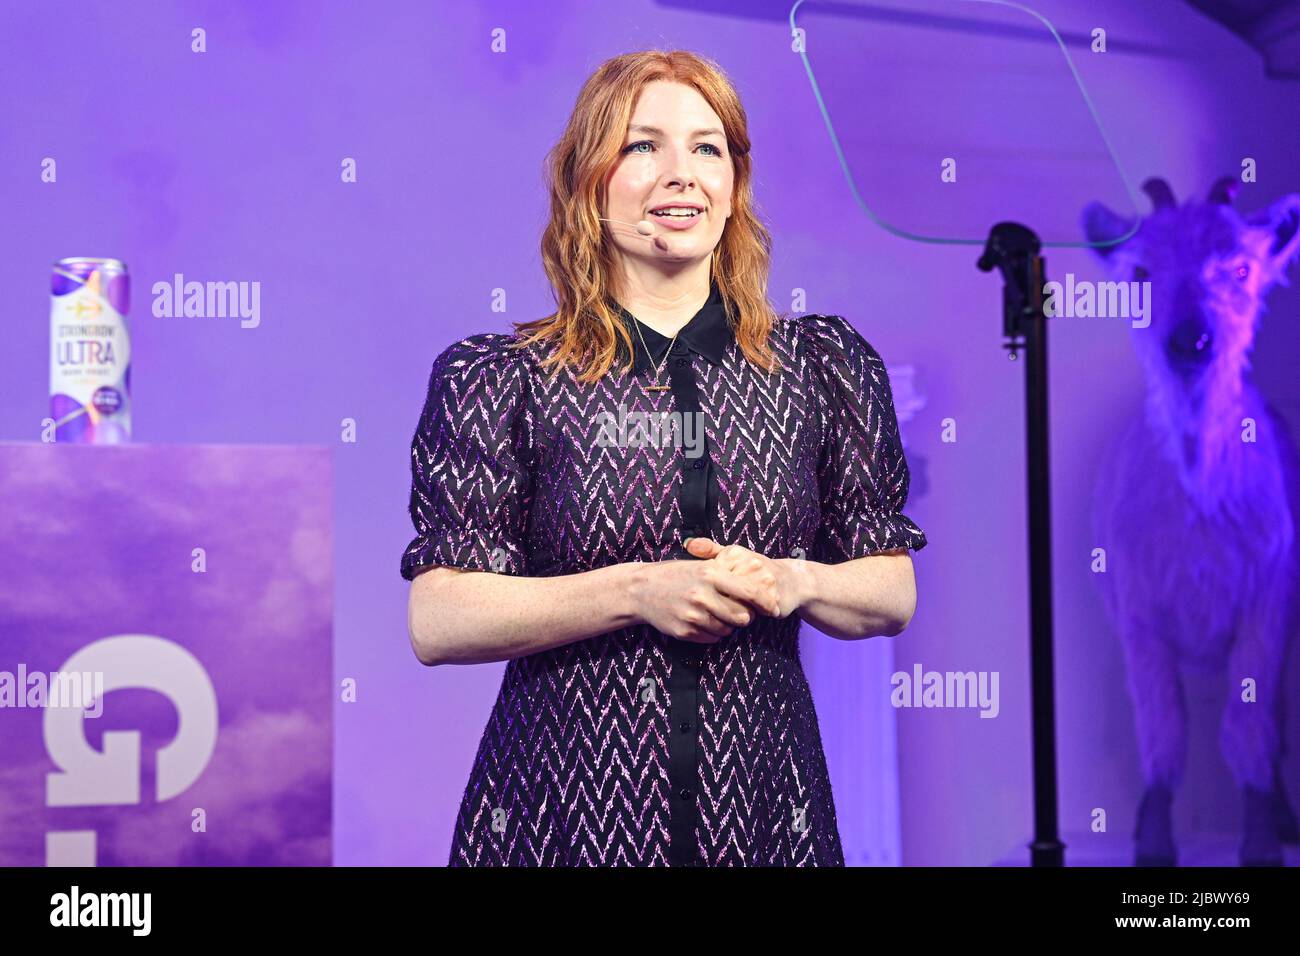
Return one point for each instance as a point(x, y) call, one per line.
point(654, 710)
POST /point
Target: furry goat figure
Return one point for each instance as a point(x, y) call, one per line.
point(1195, 503)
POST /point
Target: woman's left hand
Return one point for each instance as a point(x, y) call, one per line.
point(780, 581)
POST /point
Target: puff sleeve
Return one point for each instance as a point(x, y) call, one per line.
point(861, 471)
point(471, 482)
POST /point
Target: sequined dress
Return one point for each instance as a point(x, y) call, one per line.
point(634, 748)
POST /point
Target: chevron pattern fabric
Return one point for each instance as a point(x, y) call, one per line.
point(509, 476)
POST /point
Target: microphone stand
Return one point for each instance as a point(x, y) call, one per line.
point(1016, 252)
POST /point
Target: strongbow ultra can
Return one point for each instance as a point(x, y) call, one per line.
point(90, 353)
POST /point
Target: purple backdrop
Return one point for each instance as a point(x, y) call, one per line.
point(226, 166)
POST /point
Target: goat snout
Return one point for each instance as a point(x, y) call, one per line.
point(1190, 345)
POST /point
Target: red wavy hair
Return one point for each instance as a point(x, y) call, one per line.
point(581, 264)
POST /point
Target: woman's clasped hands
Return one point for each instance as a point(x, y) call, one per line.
point(704, 601)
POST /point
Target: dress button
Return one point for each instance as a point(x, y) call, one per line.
point(684, 793)
point(681, 362)
point(697, 463)
point(685, 727)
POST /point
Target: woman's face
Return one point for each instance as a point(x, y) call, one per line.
point(674, 155)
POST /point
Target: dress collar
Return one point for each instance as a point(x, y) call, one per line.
point(708, 333)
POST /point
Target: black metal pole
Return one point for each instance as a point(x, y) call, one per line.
point(1016, 251)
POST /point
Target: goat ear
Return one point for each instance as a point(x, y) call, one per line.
point(1103, 225)
point(1281, 222)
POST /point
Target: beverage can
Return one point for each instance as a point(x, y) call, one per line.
point(90, 351)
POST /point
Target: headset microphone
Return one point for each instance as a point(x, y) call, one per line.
point(645, 228)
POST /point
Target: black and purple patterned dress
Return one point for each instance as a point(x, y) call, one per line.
point(634, 748)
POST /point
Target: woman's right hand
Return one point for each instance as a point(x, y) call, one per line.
point(696, 600)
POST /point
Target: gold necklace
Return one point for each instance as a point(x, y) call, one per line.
point(656, 387)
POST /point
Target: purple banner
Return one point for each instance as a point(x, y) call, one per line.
point(166, 655)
